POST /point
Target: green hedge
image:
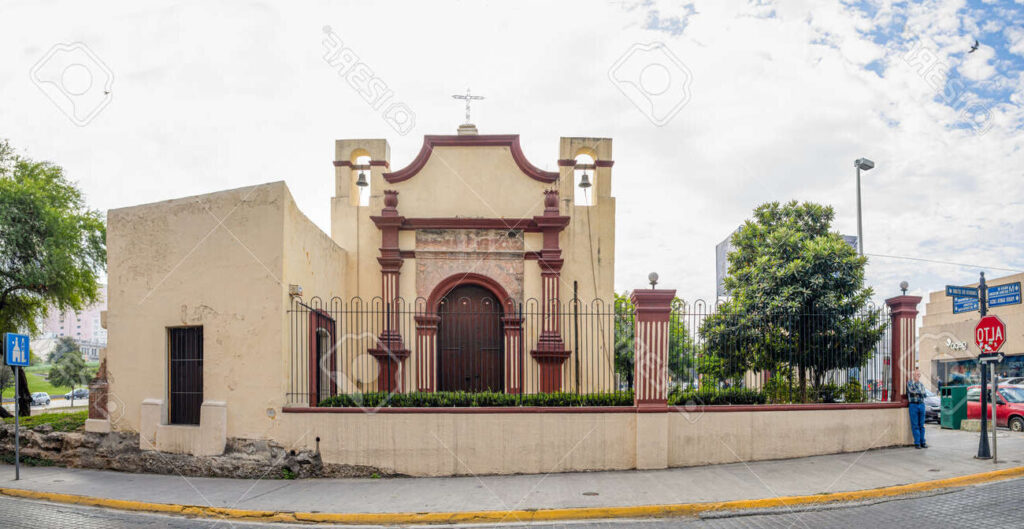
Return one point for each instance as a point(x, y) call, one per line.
point(460, 399)
point(715, 397)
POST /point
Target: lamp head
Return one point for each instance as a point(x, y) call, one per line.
point(864, 164)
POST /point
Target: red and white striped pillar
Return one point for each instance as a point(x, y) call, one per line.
point(650, 379)
point(550, 352)
point(513, 326)
point(390, 351)
point(426, 352)
point(903, 329)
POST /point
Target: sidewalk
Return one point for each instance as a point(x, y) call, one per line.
point(949, 455)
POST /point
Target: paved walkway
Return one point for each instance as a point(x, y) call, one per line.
point(950, 455)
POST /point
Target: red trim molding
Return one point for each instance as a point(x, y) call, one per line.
point(601, 409)
point(462, 223)
point(506, 140)
point(445, 286)
point(795, 407)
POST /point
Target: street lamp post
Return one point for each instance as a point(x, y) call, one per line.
point(867, 165)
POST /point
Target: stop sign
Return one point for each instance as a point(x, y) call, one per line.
point(989, 334)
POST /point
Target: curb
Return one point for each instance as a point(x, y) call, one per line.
point(535, 515)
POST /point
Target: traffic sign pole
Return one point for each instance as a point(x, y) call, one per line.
point(995, 402)
point(983, 452)
point(17, 426)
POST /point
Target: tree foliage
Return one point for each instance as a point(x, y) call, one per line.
point(797, 299)
point(52, 247)
point(65, 345)
point(70, 371)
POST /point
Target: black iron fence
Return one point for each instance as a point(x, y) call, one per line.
point(465, 344)
point(472, 344)
point(787, 358)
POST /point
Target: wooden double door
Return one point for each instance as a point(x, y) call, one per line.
point(470, 341)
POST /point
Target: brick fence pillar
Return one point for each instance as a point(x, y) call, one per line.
point(650, 376)
point(903, 311)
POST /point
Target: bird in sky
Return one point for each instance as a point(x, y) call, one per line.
point(975, 47)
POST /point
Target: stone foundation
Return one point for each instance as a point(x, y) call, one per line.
point(242, 458)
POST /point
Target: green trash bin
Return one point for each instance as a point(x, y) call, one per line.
point(953, 406)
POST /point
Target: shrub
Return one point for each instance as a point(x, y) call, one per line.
point(462, 399)
point(853, 392)
point(716, 397)
point(827, 393)
point(780, 389)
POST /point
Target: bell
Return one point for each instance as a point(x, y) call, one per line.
point(585, 181)
point(361, 181)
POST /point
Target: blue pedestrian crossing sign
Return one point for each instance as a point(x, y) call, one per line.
point(16, 349)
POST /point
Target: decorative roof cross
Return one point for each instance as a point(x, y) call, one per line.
point(467, 98)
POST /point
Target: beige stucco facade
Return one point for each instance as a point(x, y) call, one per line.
point(946, 340)
point(443, 444)
point(227, 261)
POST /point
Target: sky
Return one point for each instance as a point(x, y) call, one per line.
point(714, 107)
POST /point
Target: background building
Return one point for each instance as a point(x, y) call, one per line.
point(947, 353)
point(84, 326)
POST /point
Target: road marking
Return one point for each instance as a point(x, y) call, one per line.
point(526, 515)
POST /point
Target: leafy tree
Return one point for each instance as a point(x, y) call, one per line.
point(65, 345)
point(70, 371)
point(797, 299)
point(52, 247)
point(681, 355)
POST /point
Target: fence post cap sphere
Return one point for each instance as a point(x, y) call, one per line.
point(652, 278)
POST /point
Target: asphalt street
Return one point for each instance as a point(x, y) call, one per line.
point(991, 505)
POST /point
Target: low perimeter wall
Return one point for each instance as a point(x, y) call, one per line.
point(441, 442)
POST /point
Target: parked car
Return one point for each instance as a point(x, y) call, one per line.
point(1009, 409)
point(40, 399)
point(932, 404)
point(80, 393)
point(1012, 381)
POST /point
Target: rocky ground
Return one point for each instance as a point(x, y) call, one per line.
point(242, 458)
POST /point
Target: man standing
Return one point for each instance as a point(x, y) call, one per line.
point(916, 394)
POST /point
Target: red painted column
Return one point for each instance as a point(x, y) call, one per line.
point(513, 326)
point(550, 352)
point(390, 351)
point(650, 379)
point(426, 355)
point(903, 313)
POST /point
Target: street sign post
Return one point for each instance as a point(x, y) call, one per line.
point(16, 355)
point(965, 305)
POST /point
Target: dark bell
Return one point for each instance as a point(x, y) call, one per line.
point(585, 181)
point(361, 181)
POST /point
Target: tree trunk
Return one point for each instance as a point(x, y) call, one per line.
point(803, 384)
point(24, 396)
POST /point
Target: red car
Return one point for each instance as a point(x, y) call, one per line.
point(1009, 409)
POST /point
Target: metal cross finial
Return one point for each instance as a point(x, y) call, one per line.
point(467, 98)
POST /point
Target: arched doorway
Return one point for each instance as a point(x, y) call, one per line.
point(470, 342)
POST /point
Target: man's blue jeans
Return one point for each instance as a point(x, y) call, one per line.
point(917, 421)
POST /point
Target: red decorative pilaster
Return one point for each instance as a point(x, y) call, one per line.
point(650, 378)
point(426, 353)
point(513, 326)
point(903, 311)
point(550, 352)
point(390, 351)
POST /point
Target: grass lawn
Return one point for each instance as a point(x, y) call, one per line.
point(36, 376)
point(62, 422)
